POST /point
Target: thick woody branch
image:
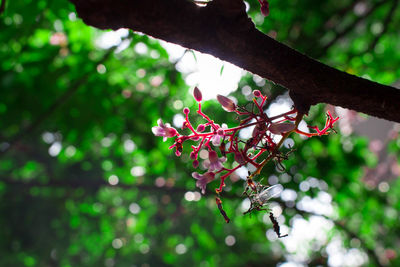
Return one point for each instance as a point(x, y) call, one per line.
point(223, 29)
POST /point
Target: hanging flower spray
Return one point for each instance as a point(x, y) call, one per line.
point(221, 141)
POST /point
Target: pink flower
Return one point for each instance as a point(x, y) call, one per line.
point(226, 103)
point(215, 163)
point(203, 180)
point(216, 138)
point(164, 130)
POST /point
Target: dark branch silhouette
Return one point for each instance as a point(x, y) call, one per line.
point(223, 29)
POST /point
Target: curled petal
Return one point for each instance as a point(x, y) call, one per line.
point(160, 123)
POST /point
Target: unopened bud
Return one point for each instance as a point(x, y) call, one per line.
point(186, 111)
point(257, 93)
point(226, 103)
point(200, 128)
point(195, 164)
point(264, 8)
point(197, 94)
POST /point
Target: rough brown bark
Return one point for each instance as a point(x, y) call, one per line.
point(223, 29)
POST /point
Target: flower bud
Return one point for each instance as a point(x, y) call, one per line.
point(264, 8)
point(226, 103)
point(197, 94)
point(257, 93)
point(200, 128)
point(195, 164)
point(186, 111)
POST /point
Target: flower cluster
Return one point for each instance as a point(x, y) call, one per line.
point(221, 142)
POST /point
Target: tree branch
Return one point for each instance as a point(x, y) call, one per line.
point(229, 34)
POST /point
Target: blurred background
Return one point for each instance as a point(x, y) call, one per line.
point(84, 182)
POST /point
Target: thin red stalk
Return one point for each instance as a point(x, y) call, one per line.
point(206, 117)
point(189, 125)
point(223, 177)
point(283, 114)
point(258, 106)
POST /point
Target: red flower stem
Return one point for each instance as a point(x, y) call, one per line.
point(258, 106)
point(242, 113)
point(299, 117)
point(245, 126)
point(206, 117)
point(189, 125)
point(306, 134)
point(263, 101)
point(283, 114)
point(200, 145)
point(223, 177)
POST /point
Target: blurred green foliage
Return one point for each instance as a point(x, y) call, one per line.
point(83, 181)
